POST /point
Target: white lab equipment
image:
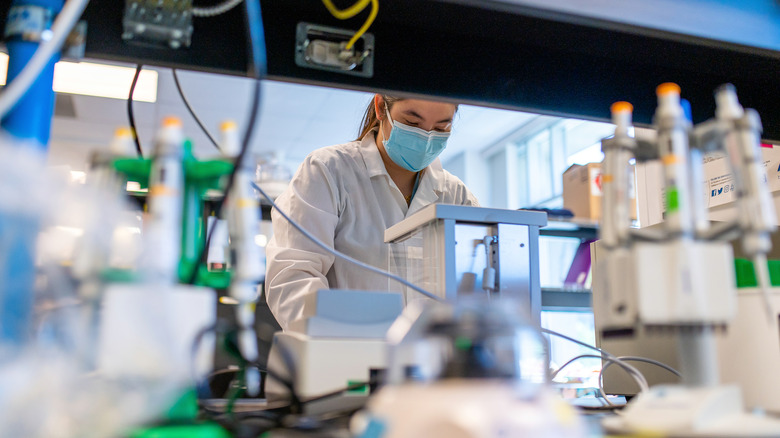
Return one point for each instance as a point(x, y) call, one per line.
point(457, 251)
point(243, 214)
point(678, 280)
point(747, 353)
point(743, 356)
point(163, 228)
point(342, 343)
point(149, 333)
point(470, 369)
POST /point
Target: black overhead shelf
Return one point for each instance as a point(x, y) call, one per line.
point(533, 62)
point(499, 54)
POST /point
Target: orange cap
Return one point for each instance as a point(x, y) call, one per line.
point(621, 107)
point(227, 125)
point(171, 121)
point(123, 132)
point(667, 88)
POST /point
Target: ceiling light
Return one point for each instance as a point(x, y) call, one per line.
point(99, 80)
point(78, 176)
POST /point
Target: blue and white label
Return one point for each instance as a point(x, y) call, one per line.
point(27, 22)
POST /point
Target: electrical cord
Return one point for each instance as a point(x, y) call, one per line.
point(601, 393)
point(356, 8)
point(280, 417)
point(192, 113)
point(258, 67)
point(345, 14)
point(623, 358)
point(60, 30)
point(341, 255)
point(638, 377)
point(130, 114)
point(222, 328)
point(631, 358)
point(231, 180)
point(213, 11)
point(611, 362)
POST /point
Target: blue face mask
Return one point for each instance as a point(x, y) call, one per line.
point(414, 148)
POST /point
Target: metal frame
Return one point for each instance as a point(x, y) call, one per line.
point(448, 242)
point(462, 213)
point(518, 243)
point(558, 299)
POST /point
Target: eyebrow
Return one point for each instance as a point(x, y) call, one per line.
point(414, 114)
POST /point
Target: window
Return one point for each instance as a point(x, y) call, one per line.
point(580, 326)
point(539, 177)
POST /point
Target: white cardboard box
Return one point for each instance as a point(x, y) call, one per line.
point(718, 186)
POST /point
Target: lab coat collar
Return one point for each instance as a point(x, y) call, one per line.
point(430, 189)
point(371, 156)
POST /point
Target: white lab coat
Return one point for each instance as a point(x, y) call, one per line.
point(344, 196)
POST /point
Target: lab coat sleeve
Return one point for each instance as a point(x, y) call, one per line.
point(462, 194)
point(296, 267)
point(469, 198)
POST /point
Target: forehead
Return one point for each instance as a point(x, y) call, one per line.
point(425, 109)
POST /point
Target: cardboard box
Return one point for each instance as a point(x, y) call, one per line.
point(717, 186)
point(719, 181)
point(582, 191)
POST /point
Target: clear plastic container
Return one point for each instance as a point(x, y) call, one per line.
point(469, 339)
point(472, 368)
point(272, 175)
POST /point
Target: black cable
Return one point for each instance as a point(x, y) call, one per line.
point(337, 393)
point(130, 115)
point(279, 414)
point(232, 179)
point(192, 113)
point(257, 48)
point(221, 327)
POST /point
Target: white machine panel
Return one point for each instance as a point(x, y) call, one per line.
point(681, 281)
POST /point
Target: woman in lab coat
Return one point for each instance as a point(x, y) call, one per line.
point(348, 194)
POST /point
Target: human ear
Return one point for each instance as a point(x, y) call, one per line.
point(379, 103)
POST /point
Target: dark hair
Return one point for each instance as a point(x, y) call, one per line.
point(370, 120)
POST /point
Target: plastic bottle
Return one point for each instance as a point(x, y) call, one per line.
point(166, 184)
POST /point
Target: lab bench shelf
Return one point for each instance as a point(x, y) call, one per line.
point(560, 298)
point(574, 228)
point(566, 299)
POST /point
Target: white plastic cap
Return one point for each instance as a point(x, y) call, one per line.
point(123, 143)
point(727, 104)
point(228, 141)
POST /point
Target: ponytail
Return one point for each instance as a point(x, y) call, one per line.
point(370, 120)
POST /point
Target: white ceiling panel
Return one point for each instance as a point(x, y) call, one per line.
point(203, 89)
point(100, 110)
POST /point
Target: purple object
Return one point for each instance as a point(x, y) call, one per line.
point(580, 267)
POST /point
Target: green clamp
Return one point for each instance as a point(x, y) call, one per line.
point(200, 178)
point(746, 275)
